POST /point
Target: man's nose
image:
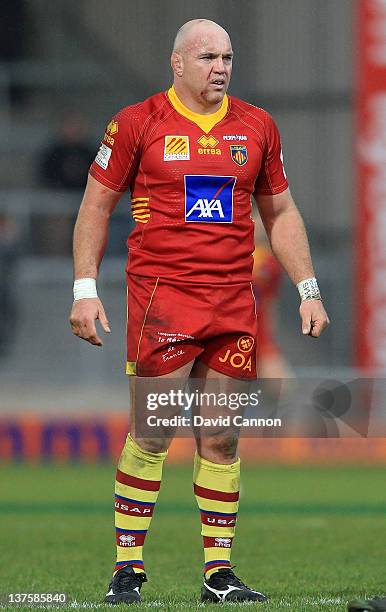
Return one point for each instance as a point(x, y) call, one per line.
point(219, 65)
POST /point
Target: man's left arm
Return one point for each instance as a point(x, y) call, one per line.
point(287, 235)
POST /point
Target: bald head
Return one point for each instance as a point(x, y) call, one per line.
point(195, 30)
point(202, 65)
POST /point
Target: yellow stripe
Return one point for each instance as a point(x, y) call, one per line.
point(147, 310)
point(142, 220)
point(141, 214)
point(205, 122)
point(213, 553)
point(123, 521)
point(217, 532)
point(135, 460)
point(212, 505)
point(131, 368)
point(134, 493)
point(140, 199)
point(225, 478)
point(140, 209)
point(141, 205)
point(129, 552)
point(209, 572)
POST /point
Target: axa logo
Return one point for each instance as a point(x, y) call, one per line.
point(126, 540)
point(223, 542)
point(209, 198)
point(206, 209)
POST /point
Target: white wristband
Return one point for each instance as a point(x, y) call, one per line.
point(308, 289)
point(85, 288)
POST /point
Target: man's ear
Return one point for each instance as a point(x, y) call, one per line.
point(177, 63)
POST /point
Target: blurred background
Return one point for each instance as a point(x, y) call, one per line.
point(66, 68)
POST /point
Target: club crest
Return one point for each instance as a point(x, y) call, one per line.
point(239, 154)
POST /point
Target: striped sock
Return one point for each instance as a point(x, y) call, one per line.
point(137, 484)
point(216, 488)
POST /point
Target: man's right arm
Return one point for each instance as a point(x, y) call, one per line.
point(90, 241)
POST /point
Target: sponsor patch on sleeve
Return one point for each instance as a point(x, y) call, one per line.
point(209, 199)
point(103, 156)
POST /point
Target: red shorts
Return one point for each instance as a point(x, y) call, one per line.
point(170, 324)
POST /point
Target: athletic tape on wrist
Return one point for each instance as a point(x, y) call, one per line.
point(308, 289)
point(85, 288)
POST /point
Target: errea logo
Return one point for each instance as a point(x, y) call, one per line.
point(208, 145)
point(223, 542)
point(126, 540)
point(208, 141)
point(209, 198)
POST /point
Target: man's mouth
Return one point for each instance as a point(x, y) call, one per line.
point(218, 83)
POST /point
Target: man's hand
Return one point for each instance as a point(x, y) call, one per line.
point(314, 318)
point(83, 315)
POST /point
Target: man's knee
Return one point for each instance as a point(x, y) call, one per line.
point(153, 445)
point(222, 445)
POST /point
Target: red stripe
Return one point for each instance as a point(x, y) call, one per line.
point(138, 566)
point(217, 521)
point(216, 495)
point(217, 542)
point(212, 564)
point(222, 187)
point(122, 564)
point(133, 509)
point(129, 540)
point(138, 483)
point(218, 562)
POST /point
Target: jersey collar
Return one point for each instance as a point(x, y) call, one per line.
point(205, 122)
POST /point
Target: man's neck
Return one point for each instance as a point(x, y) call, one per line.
point(194, 105)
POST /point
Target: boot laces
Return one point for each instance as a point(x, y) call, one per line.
point(128, 581)
point(232, 579)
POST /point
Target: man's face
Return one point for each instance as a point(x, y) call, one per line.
point(206, 64)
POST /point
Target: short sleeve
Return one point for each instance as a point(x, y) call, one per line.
point(272, 178)
point(117, 158)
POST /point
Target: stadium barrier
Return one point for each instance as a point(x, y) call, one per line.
point(92, 438)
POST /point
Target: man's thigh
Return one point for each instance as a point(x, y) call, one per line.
point(221, 397)
point(156, 397)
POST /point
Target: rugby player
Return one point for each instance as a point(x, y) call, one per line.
point(192, 158)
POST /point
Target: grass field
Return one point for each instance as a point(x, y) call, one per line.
point(309, 537)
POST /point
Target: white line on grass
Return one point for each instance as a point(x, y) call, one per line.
point(310, 601)
point(306, 601)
